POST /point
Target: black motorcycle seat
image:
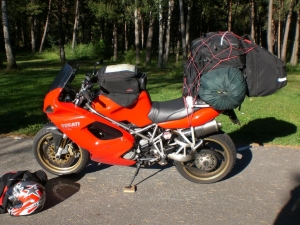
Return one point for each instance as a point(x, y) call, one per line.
point(169, 110)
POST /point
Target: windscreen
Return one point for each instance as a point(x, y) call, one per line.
point(65, 75)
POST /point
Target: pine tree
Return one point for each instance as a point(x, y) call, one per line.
point(11, 63)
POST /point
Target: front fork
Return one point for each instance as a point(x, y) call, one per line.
point(60, 140)
point(62, 149)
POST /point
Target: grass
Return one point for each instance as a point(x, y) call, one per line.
point(264, 120)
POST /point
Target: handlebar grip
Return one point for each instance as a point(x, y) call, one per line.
point(94, 79)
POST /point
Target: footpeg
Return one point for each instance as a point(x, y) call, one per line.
point(163, 162)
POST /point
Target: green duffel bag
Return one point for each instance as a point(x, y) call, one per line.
point(223, 88)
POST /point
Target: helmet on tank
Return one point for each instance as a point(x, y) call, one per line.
point(25, 198)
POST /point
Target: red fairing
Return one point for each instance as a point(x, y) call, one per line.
point(136, 114)
point(74, 122)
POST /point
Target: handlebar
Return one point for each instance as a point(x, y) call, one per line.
point(83, 93)
point(87, 84)
point(86, 95)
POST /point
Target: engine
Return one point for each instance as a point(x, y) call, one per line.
point(154, 144)
point(151, 150)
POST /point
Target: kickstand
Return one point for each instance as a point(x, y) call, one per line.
point(132, 188)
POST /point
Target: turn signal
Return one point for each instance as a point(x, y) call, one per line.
point(49, 109)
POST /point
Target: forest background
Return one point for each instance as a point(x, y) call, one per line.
point(144, 28)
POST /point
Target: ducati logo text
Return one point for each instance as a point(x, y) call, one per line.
point(70, 125)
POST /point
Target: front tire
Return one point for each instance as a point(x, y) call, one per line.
point(212, 162)
point(44, 152)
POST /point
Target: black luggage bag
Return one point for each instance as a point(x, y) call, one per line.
point(121, 83)
point(264, 72)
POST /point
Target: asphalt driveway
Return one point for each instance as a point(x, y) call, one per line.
point(263, 188)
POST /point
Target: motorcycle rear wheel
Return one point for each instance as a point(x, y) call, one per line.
point(213, 161)
point(44, 153)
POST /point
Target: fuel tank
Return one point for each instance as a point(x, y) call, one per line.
point(137, 113)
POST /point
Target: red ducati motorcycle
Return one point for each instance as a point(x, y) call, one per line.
point(115, 122)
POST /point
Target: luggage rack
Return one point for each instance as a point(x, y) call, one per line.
point(198, 103)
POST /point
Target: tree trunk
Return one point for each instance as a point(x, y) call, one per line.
point(76, 22)
point(23, 36)
point(115, 42)
point(182, 28)
point(270, 31)
point(294, 59)
point(188, 22)
point(142, 30)
point(32, 33)
point(125, 36)
point(136, 35)
point(161, 35)
point(279, 29)
point(286, 32)
point(45, 28)
point(11, 63)
point(102, 24)
point(167, 44)
point(178, 45)
point(149, 39)
point(177, 51)
point(229, 25)
point(252, 3)
point(16, 37)
point(61, 34)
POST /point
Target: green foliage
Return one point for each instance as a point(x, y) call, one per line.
point(106, 9)
point(99, 49)
point(81, 51)
point(86, 51)
point(34, 8)
point(50, 54)
point(129, 56)
point(99, 9)
point(52, 41)
point(293, 69)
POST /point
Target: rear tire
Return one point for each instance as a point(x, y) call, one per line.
point(44, 152)
point(213, 161)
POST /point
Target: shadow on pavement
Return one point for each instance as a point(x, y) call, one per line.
point(290, 213)
point(155, 166)
point(242, 161)
point(60, 188)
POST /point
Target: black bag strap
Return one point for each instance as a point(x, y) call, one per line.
point(249, 37)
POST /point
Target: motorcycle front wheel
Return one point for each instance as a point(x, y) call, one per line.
point(212, 162)
point(44, 152)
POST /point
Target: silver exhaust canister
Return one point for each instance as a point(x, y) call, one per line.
point(208, 128)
